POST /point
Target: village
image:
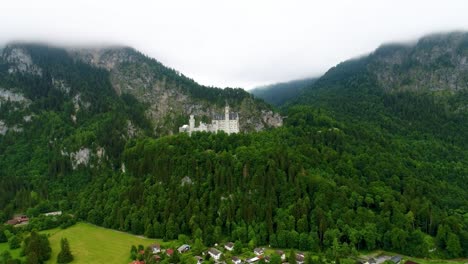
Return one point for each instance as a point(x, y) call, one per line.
point(223, 254)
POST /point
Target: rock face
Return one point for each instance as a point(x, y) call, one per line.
point(436, 62)
point(7, 95)
point(168, 93)
point(20, 61)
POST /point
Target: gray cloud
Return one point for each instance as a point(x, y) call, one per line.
point(240, 43)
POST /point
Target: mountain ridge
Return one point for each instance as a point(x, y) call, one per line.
point(171, 97)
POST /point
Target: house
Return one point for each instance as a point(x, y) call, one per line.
point(300, 258)
point(267, 259)
point(236, 260)
point(229, 246)
point(169, 252)
point(184, 248)
point(53, 213)
point(214, 253)
point(18, 219)
point(396, 259)
point(252, 260)
point(199, 259)
point(258, 251)
point(282, 254)
point(155, 248)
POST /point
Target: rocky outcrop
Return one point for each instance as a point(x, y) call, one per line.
point(168, 101)
point(435, 63)
point(20, 61)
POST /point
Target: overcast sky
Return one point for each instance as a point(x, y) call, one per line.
point(239, 43)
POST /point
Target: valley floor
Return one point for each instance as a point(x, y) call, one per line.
point(93, 244)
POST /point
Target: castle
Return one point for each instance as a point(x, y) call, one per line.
point(228, 123)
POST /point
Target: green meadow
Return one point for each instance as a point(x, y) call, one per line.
point(93, 244)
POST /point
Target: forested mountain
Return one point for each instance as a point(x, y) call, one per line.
point(373, 155)
point(418, 91)
point(279, 93)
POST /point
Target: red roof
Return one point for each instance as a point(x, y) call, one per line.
point(170, 251)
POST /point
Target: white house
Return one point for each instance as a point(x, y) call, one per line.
point(282, 254)
point(53, 213)
point(214, 253)
point(155, 248)
point(184, 248)
point(229, 246)
point(236, 260)
point(252, 260)
point(258, 251)
point(199, 259)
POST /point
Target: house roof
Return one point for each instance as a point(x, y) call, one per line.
point(169, 251)
point(299, 257)
point(229, 244)
point(396, 259)
point(259, 250)
point(155, 246)
point(214, 251)
point(184, 246)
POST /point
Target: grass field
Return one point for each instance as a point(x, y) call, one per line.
point(14, 253)
point(93, 244)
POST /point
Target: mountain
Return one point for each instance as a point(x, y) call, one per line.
point(168, 95)
point(372, 156)
point(278, 93)
point(418, 87)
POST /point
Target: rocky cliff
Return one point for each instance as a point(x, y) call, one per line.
point(171, 97)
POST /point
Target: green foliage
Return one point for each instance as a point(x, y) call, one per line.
point(353, 168)
point(36, 248)
point(65, 255)
point(14, 242)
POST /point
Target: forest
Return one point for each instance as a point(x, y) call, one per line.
point(352, 169)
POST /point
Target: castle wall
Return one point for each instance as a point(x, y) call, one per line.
point(227, 124)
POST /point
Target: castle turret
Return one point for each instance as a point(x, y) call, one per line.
point(191, 124)
point(226, 119)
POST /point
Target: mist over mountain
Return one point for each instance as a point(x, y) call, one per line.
point(278, 93)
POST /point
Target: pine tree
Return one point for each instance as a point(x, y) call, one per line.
point(65, 255)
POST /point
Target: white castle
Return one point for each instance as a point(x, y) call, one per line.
point(229, 124)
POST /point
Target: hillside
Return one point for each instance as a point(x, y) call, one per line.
point(403, 88)
point(279, 93)
point(372, 156)
point(171, 96)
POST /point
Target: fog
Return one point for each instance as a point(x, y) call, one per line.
point(233, 43)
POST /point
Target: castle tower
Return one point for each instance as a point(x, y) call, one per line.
point(226, 119)
point(191, 124)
